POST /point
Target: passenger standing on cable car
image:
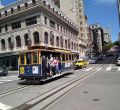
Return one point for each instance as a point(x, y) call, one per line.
point(44, 67)
point(56, 62)
point(51, 65)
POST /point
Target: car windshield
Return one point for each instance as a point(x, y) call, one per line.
point(79, 61)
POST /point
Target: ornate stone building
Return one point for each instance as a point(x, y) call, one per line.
point(34, 22)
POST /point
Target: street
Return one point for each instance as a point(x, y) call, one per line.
point(95, 88)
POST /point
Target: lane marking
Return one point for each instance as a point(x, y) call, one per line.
point(5, 80)
point(4, 107)
point(118, 68)
point(88, 69)
point(108, 68)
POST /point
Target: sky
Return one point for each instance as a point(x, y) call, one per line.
point(103, 12)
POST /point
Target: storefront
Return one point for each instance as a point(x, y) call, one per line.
point(10, 60)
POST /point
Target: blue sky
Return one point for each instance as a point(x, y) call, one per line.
point(103, 12)
point(98, 11)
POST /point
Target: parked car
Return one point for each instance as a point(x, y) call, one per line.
point(93, 60)
point(3, 71)
point(100, 57)
point(80, 64)
point(118, 61)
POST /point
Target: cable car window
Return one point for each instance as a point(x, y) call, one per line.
point(35, 57)
point(63, 57)
point(22, 59)
point(28, 58)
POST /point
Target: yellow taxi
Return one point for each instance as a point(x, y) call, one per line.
point(80, 64)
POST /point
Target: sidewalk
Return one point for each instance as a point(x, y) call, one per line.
point(12, 72)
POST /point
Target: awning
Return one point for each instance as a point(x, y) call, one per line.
point(62, 51)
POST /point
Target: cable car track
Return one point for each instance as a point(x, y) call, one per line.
point(5, 93)
point(59, 90)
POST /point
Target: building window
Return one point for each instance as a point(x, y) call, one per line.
point(61, 28)
point(0, 29)
point(5, 13)
point(26, 38)
point(46, 38)
point(31, 21)
point(16, 25)
point(72, 45)
point(34, 1)
point(26, 5)
point(58, 27)
point(61, 41)
point(9, 42)
point(45, 20)
point(3, 44)
point(51, 38)
point(18, 7)
point(12, 10)
point(6, 28)
point(52, 24)
point(18, 41)
point(57, 41)
point(66, 44)
point(36, 38)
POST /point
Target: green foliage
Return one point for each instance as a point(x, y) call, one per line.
point(107, 46)
point(117, 43)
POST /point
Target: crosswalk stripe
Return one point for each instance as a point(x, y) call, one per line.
point(1, 82)
point(4, 107)
point(88, 69)
point(108, 69)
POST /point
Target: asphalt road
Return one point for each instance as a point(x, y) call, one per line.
point(100, 91)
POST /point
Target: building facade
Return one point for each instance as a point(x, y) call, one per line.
point(98, 38)
point(107, 35)
point(34, 22)
point(74, 9)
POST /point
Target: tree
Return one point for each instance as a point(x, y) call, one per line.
point(107, 46)
point(117, 43)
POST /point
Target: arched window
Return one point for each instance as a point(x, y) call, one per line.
point(51, 38)
point(66, 44)
point(46, 38)
point(72, 45)
point(3, 44)
point(9, 42)
point(57, 41)
point(36, 38)
point(18, 41)
point(77, 47)
point(26, 38)
point(61, 41)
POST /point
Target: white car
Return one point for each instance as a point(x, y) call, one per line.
point(118, 61)
point(93, 60)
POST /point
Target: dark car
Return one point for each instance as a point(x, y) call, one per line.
point(3, 71)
